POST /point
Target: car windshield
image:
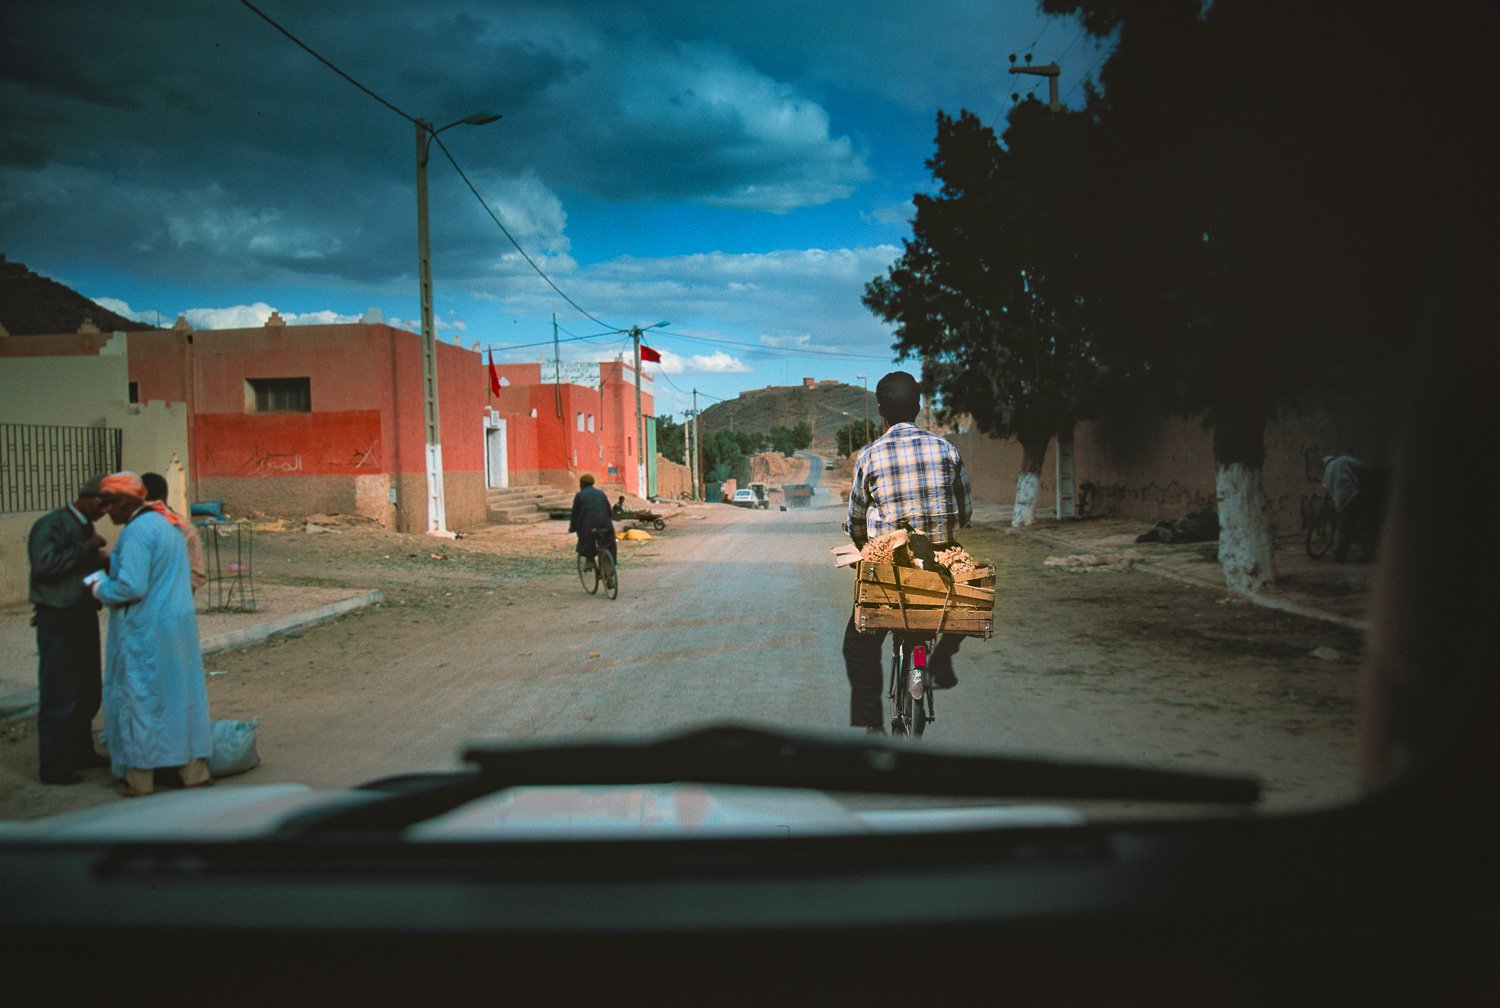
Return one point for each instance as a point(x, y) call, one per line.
point(1122, 506)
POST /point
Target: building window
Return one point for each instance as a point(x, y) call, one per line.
point(580, 422)
point(135, 392)
point(591, 423)
point(278, 395)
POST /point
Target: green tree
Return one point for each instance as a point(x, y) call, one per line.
point(851, 437)
point(726, 454)
point(790, 440)
point(987, 291)
point(671, 439)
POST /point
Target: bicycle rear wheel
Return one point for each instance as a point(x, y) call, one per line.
point(908, 714)
point(609, 573)
point(914, 711)
point(588, 576)
point(1322, 532)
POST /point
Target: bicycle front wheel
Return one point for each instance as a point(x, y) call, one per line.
point(1321, 533)
point(588, 576)
point(609, 573)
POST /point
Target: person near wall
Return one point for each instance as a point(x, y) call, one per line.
point(905, 474)
point(590, 512)
point(155, 694)
point(156, 490)
point(63, 549)
point(1341, 478)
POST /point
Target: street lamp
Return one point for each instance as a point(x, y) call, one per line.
point(866, 400)
point(437, 517)
point(640, 426)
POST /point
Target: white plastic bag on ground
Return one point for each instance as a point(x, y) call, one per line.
point(234, 747)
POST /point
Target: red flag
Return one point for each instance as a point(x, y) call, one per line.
point(649, 355)
point(494, 376)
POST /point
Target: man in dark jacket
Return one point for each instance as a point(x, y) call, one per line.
point(590, 512)
point(64, 548)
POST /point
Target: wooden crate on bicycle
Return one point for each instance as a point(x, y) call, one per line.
point(888, 597)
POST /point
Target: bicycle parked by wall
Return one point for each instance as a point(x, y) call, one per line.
point(602, 568)
point(1363, 514)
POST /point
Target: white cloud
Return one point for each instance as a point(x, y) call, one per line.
point(532, 213)
point(121, 308)
point(799, 341)
point(209, 217)
point(254, 315)
point(718, 362)
point(890, 215)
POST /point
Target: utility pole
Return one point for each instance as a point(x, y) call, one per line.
point(699, 483)
point(640, 426)
point(437, 512)
point(865, 383)
point(556, 368)
point(1047, 70)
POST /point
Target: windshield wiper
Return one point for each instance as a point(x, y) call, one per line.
point(761, 758)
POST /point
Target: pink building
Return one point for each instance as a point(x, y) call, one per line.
point(555, 430)
point(305, 419)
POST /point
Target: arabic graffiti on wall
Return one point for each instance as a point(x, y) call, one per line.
point(291, 445)
point(270, 463)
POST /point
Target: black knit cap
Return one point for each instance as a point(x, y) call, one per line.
point(899, 387)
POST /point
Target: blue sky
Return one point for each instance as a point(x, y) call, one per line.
point(738, 169)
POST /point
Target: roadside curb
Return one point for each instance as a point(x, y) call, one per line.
point(296, 621)
point(1268, 601)
point(23, 703)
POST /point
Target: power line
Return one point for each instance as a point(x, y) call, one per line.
point(432, 134)
point(1045, 25)
point(1086, 73)
point(482, 202)
point(300, 44)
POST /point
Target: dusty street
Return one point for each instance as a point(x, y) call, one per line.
point(734, 614)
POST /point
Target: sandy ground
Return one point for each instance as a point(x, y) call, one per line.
point(1110, 661)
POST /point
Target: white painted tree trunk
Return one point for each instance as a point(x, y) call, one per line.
point(1024, 513)
point(1245, 547)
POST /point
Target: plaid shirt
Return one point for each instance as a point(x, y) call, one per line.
point(913, 474)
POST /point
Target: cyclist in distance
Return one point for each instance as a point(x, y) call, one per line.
point(590, 512)
point(905, 474)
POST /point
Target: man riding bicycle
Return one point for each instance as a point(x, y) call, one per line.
point(590, 515)
point(905, 474)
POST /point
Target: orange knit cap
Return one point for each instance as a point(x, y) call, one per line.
point(128, 484)
point(123, 484)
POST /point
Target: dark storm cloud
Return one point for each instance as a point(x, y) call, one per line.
point(199, 139)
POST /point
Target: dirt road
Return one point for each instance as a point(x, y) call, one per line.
point(736, 614)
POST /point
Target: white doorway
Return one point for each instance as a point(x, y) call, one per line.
point(496, 465)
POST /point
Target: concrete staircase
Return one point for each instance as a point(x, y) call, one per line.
point(523, 505)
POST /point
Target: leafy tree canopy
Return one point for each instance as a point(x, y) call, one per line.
point(987, 290)
point(671, 439)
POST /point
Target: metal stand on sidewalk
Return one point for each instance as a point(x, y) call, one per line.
point(229, 550)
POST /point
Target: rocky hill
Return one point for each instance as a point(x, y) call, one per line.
point(32, 305)
point(825, 406)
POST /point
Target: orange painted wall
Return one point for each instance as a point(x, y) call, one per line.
point(354, 370)
point(278, 444)
point(366, 419)
point(562, 450)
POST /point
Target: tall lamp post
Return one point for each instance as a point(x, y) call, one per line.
point(640, 425)
point(866, 399)
point(437, 516)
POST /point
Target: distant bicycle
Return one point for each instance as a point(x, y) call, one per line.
point(603, 570)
